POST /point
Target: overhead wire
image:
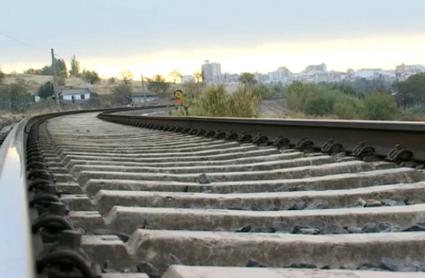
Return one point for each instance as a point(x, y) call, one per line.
point(19, 41)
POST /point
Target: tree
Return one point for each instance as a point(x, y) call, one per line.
point(247, 79)
point(126, 76)
point(46, 90)
point(18, 95)
point(158, 84)
point(363, 86)
point(176, 76)
point(344, 88)
point(380, 106)
point(90, 76)
point(75, 67)
point(411, 91)
point(2, 76)
point(121, 94)
point(61, 68)
point(46, 70)
point(4, 97)
point(111, 80)
point(198, 77)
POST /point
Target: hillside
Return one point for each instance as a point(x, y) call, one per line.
point(35, 81)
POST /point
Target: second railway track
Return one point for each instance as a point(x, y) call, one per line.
point(147, 199)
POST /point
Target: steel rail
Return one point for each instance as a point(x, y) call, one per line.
point(16, 256)
point(382, 135)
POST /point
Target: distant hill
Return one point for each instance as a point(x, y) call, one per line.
point(35, 81)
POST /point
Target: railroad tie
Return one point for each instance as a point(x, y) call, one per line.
point(179, 204)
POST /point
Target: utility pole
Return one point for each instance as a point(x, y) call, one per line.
point(55, 84)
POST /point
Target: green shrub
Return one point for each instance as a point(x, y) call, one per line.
point(321, 101)
point(379, 106)
point(414, 113)
point(121, 94)
point(318, 105)
point(297, 94)
point(263, 91)
point(324, 99)
point(157, 84)
point(312, 99)
point(46, 105)
point(90, 76)
point(213, 101)
point(216, 102)
point(416, 109)
point(46, 90)
point(243, 103)
point(411, 91)
point(348, 108)
point(2, 76)
point(15, 97)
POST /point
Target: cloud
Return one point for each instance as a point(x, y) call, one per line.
point(339, 54)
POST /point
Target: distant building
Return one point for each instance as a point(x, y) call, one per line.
point(311, 74)
point(374, 73)
point(188, 79)
point(231, 79)
point(403, 71)
point(143, 98)
point(366, 73)
point(211, 72)
point(281, 75)
point(261, 77)
point(74, 95)
point(337, 76)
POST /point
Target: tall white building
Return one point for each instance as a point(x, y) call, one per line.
point(211, 72)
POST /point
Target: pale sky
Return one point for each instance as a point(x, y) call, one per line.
point(157, 36)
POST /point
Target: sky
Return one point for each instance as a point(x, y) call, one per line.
point(158, 36)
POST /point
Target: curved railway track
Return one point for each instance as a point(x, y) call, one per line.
point(169, 197)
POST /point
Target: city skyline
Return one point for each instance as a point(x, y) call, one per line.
point(224, 71)
point(317, 73)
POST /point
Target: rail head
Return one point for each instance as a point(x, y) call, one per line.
point(344, 124)
point(16, 251)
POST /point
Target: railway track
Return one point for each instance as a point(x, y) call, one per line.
point(168, 197)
